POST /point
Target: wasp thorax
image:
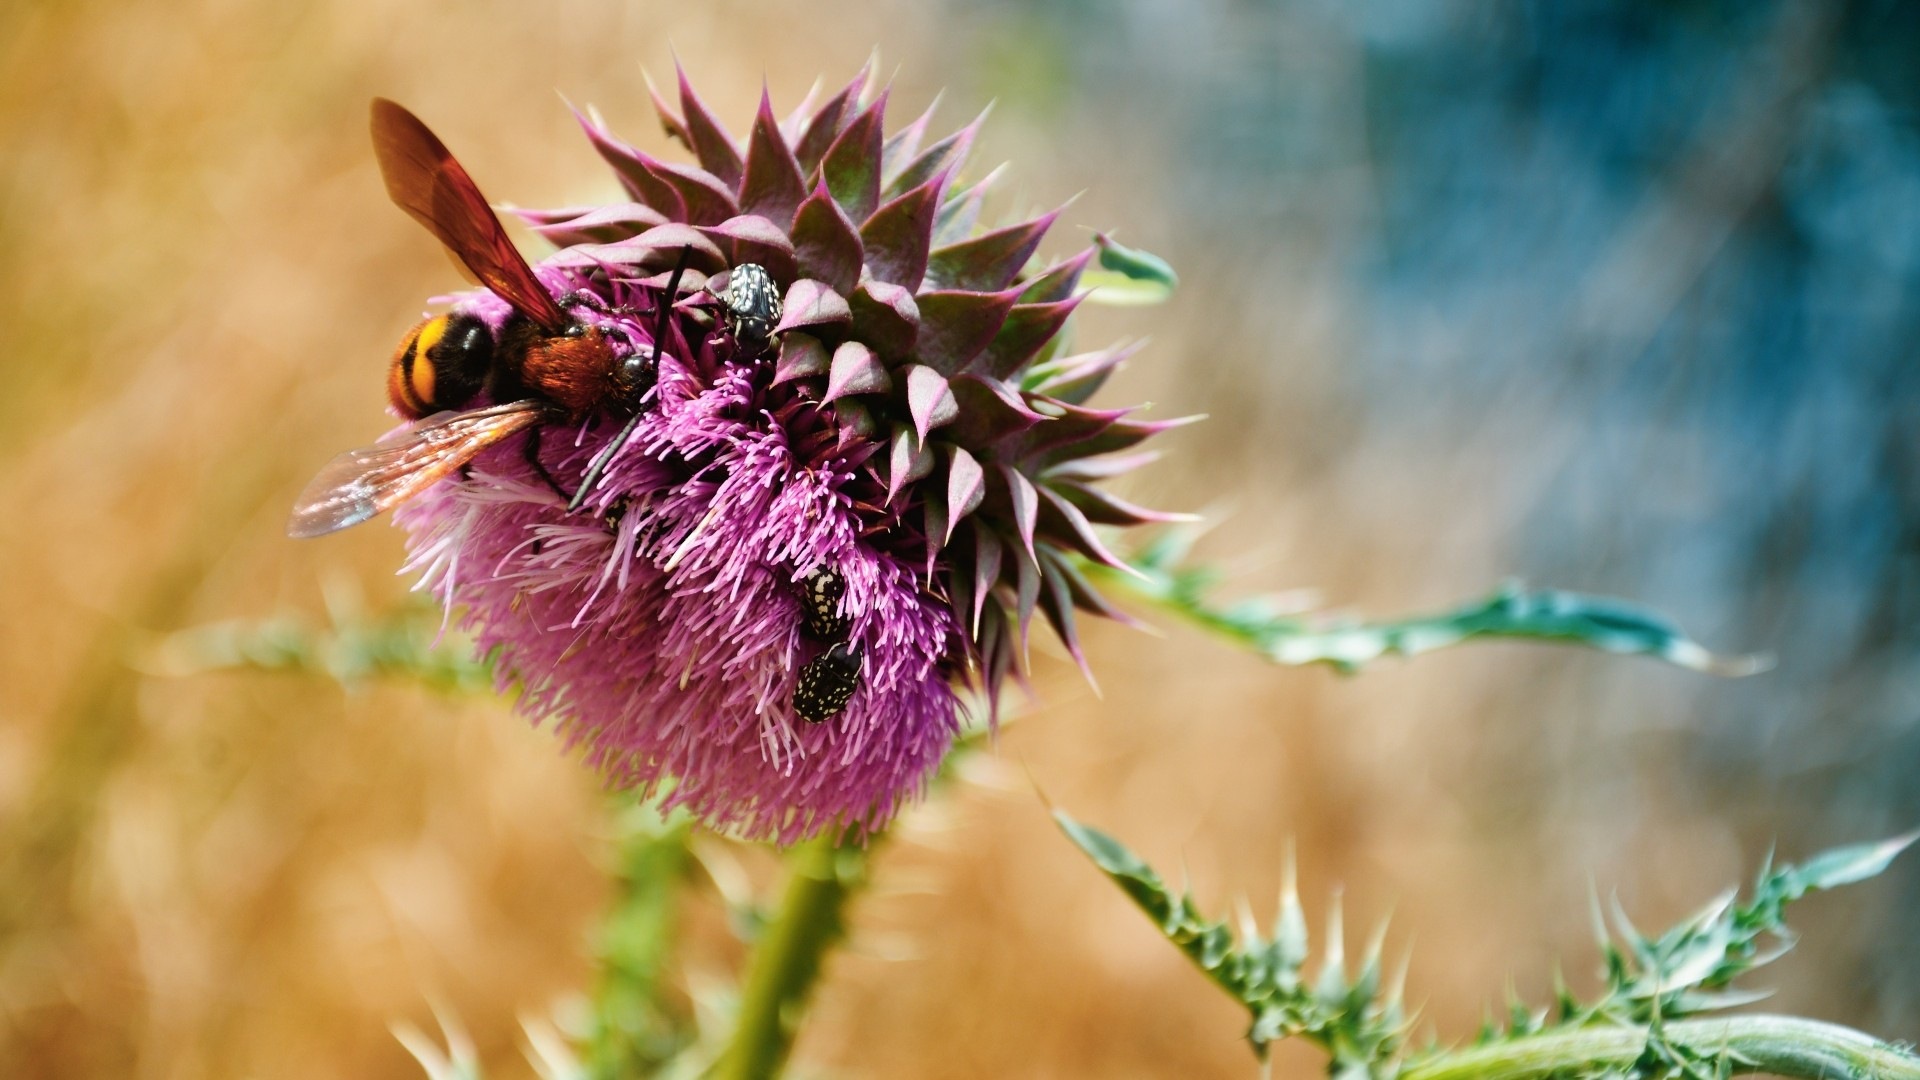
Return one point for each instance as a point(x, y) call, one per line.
point(753, 306)
point(638, 372)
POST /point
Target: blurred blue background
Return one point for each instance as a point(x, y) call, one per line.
point(1629, 292)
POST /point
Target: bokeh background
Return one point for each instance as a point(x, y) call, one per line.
point(1615, 297)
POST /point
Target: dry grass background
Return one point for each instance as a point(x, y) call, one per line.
point(240, 876)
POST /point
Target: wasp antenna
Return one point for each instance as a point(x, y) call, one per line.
point(606, 455)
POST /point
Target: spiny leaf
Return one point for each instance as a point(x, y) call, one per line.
point(929, 399)
point(886, 317)
point(827, 123)
point(945, 156)
point(593, 225)
point(1361, 1025)
point(956, 326)
point(1513, 612)
point(1058, 281)
point(754, 239)
point(403, 643)
point(813, 303)
point(898, 235)
point(1359, 1028)
point(856, 370)
point(1029, 327)
point(961, 212)
point(989, 261)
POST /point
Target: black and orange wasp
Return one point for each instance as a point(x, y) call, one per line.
point(544, 364)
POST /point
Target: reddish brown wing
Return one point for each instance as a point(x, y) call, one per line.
point(361, 483)
point(424, 180)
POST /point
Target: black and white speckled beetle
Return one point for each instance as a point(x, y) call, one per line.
point(753, 307)
point(829, 680)
point(820, 593)
point(827, 683)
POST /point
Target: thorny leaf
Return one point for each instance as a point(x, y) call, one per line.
point(1359, 1025)
point(1360, 1022)
point(1269, 628)
point(355, 649)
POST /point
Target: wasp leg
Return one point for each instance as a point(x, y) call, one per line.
point(531, 450)
point(582, 298)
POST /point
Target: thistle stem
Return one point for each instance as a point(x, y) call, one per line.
point(1775, 1045)
point(785, 966)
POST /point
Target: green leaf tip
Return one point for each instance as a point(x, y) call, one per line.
point(1855, 862)
point(1128, 276)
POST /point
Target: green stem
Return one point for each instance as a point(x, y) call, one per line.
point(631, 1031)
point(1775, 1045)
point(785, 966)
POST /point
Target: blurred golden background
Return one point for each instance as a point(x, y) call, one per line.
point(1466, 293)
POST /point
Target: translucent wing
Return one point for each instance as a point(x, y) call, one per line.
point(361, 483)
point(424, 180)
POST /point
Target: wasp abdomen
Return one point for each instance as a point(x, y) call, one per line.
point(441, 364)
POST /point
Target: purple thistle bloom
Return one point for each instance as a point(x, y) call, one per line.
point(907, 435)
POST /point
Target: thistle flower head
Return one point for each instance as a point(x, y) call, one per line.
point(862, 467)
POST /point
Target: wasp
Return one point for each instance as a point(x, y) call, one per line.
point(544, 364)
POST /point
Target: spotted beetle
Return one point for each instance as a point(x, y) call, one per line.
point(753, 307)
point(820, 593)
point(827, 683)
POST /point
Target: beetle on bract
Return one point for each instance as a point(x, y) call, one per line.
point(753, 307)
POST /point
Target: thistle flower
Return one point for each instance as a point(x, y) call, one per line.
point(862, 469)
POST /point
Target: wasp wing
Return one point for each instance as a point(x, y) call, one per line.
point(424, 180)
point(361, 483)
